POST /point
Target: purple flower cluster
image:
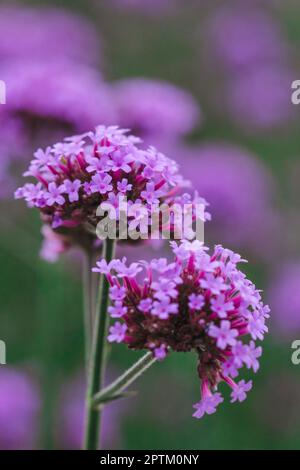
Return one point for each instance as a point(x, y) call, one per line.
point(198, 302)
point(75, 177)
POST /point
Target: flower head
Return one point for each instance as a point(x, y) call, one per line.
point(210, 308)
point(102, 169)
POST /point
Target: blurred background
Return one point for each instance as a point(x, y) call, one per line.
point(209, 83)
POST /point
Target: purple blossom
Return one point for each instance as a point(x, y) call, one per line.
point(161, 320)
point(165, 288)
point(119, 161)
point(239, 391)
point(71, 188)
point(103, 267)
point(130, 271)
point(160, 352)
point(207, 405)
point(220, 306)
point(145, 305)
point(117, 293)
point(53, 245)
point(117, 310)
point(66, 167)
point(224, 335)
point(117, 332)
point(253, 353)
point(123, 186)
point(101, 183)
point(196, 302)
point(54, 195)
point(256, 326)
point(214, 284)
point(150, 194)
point(163, 308)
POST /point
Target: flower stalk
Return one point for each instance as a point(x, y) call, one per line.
point(115, 389)
point(97, 361)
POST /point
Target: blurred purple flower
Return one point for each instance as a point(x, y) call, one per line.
point(154, 108)
point(285, 300)
point(240, 191)
point(260, 98)
point(71, 418)
point(55, 96)
point(53, 245)
point(41, 33)
point(242, 36)
point(19, 406)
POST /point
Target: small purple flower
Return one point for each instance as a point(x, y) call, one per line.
point(160, 352)
point(102, 267)
point(196, 302)
point(150, 194)
point(256, 326)
point(54, 195)
point(207, 405)
point(165, 288)
point(214, 284)
point(117, 293)
point(253, 354)
point(224, 335)
point(117, 332)
point(72, 189)
point(239, 391)
point(163, 308)
point(123, 186)
point(220, 306)
point(130, 271)
point(120, 161)
point(145, 305)
point(101, 183)
point(117, 310)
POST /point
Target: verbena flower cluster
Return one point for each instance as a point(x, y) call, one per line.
point(198, 302)
point(75, 177)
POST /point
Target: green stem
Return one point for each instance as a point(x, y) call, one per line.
point(87, 301)
point(123, 382)
point(97, 361)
